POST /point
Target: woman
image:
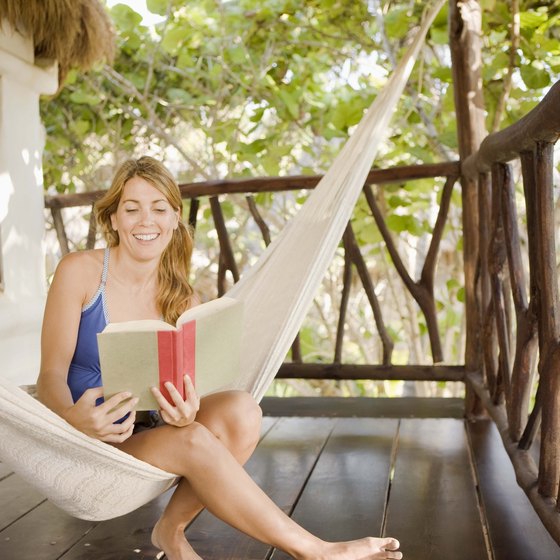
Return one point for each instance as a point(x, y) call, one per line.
point(143, 274)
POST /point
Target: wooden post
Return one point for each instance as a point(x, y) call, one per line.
point(549, 471)
point(498, 258)
point(227, 260)
point(465, 26)
point(519, 393)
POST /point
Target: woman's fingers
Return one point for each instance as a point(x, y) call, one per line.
point(105, 416)
point(167, 410)
point(90, 396)
point(161, 400)
point(116, 401)
point(122, 431)
point(180, 412)
point(190, 392)
point(115, 409)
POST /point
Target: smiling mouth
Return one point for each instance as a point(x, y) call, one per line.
point(146, 236)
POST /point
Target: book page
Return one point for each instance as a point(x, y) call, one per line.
point(143, 325)
point(206, 309)
point(218, 349)
point(129, 362)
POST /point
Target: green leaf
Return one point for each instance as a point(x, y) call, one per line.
point(534, 78)
point(255, 147)
point(178, 95)
point(369, 235)
point(80, 127)
point(488, 5)
point(125, 18)
point(532, 19)
point(84, 98)
point(397, 201)
point(397, 22)
point(174, 39)
point(236, 55)
point(257, 116)
point(290, 102)
point(158, 7)
point(439, 36)
point(271, 165)
point(452, 284)
point(401, 223)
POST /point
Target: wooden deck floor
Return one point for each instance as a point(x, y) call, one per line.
point(445, 488)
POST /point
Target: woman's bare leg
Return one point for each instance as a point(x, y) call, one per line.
point(224, 487)
point(235, 419)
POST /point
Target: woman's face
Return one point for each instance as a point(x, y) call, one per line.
point(144, 219)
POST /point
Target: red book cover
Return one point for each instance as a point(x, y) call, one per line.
point(167, 352)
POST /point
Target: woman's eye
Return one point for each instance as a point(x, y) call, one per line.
point(161, 210)
point(128, 210)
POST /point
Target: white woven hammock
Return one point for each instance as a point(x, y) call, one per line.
point(93, 480)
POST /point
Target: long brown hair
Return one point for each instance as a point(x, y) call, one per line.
point(174, 291)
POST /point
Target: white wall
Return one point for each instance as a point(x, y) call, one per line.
point(22, 224)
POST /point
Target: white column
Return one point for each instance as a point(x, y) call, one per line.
point(22, 225)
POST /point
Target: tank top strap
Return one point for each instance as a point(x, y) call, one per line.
point(100, 293)
point(105, 267)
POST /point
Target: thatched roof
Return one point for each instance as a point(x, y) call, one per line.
point(77, 33)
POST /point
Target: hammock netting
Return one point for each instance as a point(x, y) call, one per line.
point(94, 481)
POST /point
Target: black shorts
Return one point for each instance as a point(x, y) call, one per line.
point(146, 420)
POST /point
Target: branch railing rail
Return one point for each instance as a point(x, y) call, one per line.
point(422, 290)
point(520, 308)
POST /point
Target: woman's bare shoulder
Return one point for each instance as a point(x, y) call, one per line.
point(81, 269)
point(82, 263)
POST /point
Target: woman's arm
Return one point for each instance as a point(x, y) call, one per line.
point(70, 288)
point(60, 331)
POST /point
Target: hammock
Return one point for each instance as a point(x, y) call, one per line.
point(94, 481)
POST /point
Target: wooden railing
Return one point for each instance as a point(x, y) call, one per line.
point(521, 348)
point(422, 290)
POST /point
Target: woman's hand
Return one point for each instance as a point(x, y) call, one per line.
point(99, 421)
point(184, 412)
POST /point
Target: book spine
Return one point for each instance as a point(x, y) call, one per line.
point(189, 350)
point(179, 371)
point(167, 361)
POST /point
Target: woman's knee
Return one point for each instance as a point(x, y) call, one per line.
point(246, 409)
point(194, 438)
point(246, 414)
point(232, 415)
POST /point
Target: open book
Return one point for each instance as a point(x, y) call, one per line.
point(205, 344)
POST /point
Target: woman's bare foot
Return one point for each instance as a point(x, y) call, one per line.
point(173, 543)
point(369, 548)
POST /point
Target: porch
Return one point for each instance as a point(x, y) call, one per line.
point(412, 468)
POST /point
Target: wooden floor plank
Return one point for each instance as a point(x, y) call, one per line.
point(280, 465)
point(4, 470)
point(346, 493)
point(433, 507)
point(516, 532)
point(45, 533)
point(129, 536)
point(125, 537)
point(17, 498)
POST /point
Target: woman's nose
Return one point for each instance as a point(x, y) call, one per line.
point(146, 216)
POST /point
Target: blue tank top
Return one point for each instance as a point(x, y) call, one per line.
point(84, 371)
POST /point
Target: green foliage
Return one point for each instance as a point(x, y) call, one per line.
point(251, 88)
